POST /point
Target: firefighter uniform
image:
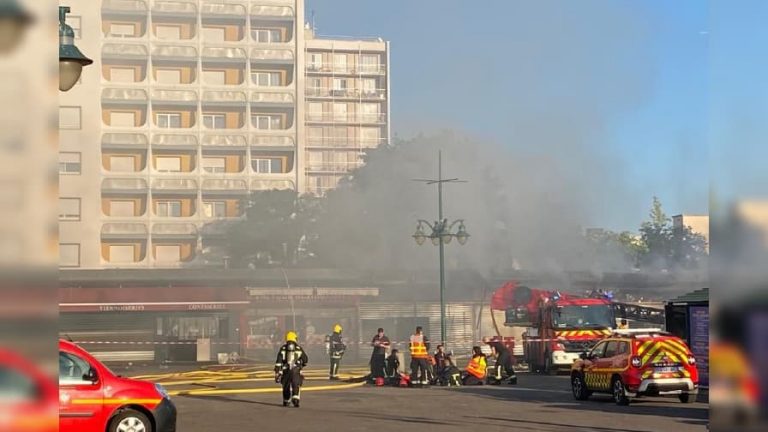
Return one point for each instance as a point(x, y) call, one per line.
point(476, 370)
point(504, 364)
point(291, 358)
point(419, 358)
point(336, 350)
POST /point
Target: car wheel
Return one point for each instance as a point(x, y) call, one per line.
point(130, 421)
point(687, 397)
point(619, 392)
point(579, 387)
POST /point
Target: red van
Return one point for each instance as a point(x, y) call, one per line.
point(93, 399)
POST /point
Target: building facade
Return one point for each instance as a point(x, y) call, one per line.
point(699, 224)
point(191, 105)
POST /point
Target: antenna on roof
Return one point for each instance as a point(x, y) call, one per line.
point(312, 15)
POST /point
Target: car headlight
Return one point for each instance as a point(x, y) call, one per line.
point(160, 389)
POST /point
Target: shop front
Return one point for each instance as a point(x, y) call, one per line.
point(154, 324)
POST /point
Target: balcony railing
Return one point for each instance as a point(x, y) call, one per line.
point(183, 97)
point(344, 69)
point(124, 7)
point(327, 92)
point(174, 230)
point(261, 12)
point(344, 142)
point(332, 167)
point(124, 230)
point(124, 96)
point(125, 51)
point(224, 141)
point(175, 52)
point(224, 185)
point(224, 98)
point(182, 185)
point(284, 142)
point(221, 54)
point(124, 140)
point(221, 10)
point(271, 98)
point(174, 8)
point(328, 117)
point(124, 185)
point(270, 184)
point(272, 56)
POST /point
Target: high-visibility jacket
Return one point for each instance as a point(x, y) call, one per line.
point(418, 347)
point(477, 366)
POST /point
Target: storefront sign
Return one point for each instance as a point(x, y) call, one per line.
point(152, 307)
point(699, 340)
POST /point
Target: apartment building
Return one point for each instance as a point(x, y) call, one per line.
point(347, 105)
point(189, 106)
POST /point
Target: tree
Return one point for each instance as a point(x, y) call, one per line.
point(669, 247)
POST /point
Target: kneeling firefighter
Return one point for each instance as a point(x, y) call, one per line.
point(290, 360)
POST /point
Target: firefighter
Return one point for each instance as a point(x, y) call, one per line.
point(336, 348)
point(380, 344)
point(503, 364)
point(475, 373)
point(393, 367)
point(419, 346)
point(290, 360)
point(623, 324)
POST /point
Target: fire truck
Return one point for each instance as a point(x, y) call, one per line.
point(553, 329)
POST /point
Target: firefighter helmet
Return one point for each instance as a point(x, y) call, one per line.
point(291, 336)
point(337, 328)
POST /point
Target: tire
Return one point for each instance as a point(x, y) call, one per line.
point(619, 392)
point(129, 418)
point(579, 387)
point(687, 398)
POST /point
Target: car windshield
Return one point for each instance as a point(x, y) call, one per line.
point(584, 316)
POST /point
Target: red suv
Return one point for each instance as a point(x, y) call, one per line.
point(639, 362)
point(93, 399)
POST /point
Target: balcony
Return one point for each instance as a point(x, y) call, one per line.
point(223, 11)
point(271, 56)
point(123, 96)
point(224, 55)
point(346, 69)
point(331, 93)
point(174, 9)
point(224, 98)
point(271, 184)
point(272, 99)
point(356, 118)
point(224, 186)
point(272, 143)
point(123, 186)
point(228, 142)
point(332, 167)
point(167, 185)
point(175, 141)
point(124, 141)
point(265, 12)
point(174, 53)
point(124, 51)
point(118, 231)
point(168, 231)
point(174, 97)
point(125, 8)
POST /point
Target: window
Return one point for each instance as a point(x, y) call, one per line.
point(122, 30)
point(168, 120)
point(18, 386)
point(168, 163)
point(369, 86)
point(339, 86)
point(267, 121)
point(168, 76)
point(215, 121)
point(168, 253)
point(214, 164)
point(599, 350)
point(72, 369)
point(340, 111)
point(215, 77)
point(69, 209)
point(122, 253)
point(168, 208)
point(369, 62)
point(69, 117)
point(122, 74)
point(172, 32)
point(69, 163)
point(266, 79)
point(214, 34)
point(76, 23)
point(122, 163)
point(69, 254)
point(369, 135)
point(215, 209)
point(122, 118)
point(370, 112)
point(340, 62)
point(267, 165)
point(267, 35)
point(315, 110)
point(611, 349)
point(623, 347)
point(315, 61)
point(122, 208)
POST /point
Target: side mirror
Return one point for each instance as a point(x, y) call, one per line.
point(584, 356)
point(91, 375)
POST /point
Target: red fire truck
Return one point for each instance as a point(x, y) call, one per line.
point(554, 328)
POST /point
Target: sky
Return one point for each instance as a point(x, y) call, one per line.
point(632, 77)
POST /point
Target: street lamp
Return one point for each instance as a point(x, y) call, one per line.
point(442, 233)
point(71, 60)
point(13, 21)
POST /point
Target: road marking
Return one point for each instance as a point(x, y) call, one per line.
point(260, 390)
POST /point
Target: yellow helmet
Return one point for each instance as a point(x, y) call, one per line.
point(337, 328)
point(291, 336)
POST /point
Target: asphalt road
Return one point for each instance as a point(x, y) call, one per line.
point(537, 403)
